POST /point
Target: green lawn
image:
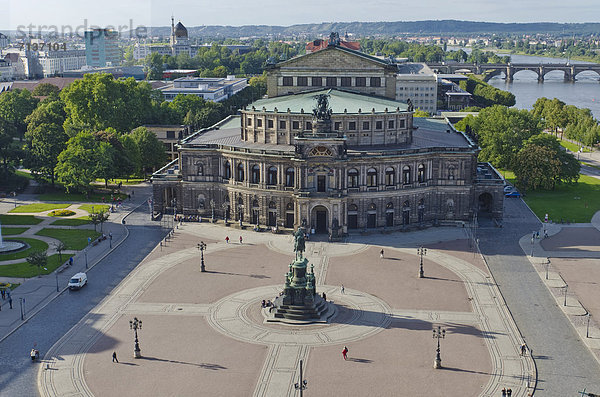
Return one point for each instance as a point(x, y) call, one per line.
point(572, 146)
point(39, 207)
point(91, 198)
point(24, 269)
point(71, 222)
point(74, 239)
point(97, 207)
point(34, 245)
point(19, 220)
point(576, 203)
point(12, 231)
point(24, 174)
point(130, 181)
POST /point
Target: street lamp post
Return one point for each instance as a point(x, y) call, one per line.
point(202, 247)
point(136, 324)
point(303, 382)
point(86, 262)
point(56, 274)
point(15, 198)
point(212, 211)
point(587, 330)
point(532, 241)
point(225, 205)
point(110, 239)
point(566, 287)
point(547, 266)
point(241, 213)
point(438, 334)
point(421, 251)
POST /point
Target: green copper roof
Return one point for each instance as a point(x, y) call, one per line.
point(338, 102)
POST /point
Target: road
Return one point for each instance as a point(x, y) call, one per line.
point(564, 363)
point(18, 376)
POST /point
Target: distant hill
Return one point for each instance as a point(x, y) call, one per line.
point(391, 29)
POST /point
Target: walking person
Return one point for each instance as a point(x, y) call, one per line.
point(3, 292)
point(227, 239)
point(115, 357)
point(381, 253)
point(342, 289)
point(241, 240)
point(10, 302)
point(523, 349)
point(345, 353)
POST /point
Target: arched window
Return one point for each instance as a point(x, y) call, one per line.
point(240, 172)
point(272, 176)
point(372, 177)
point(406, 175)
point(255, 204)
point(421, 173)
point(406, 205)
point(272, 205)
point(390, 179)
point(290, 177)
point(352, 208)
point(201, 201)
point(289, 206)
point(352, 216)
point(227, 170)
point(353, 178)
point(389, 206)
point(255, 174)
point(372, 207)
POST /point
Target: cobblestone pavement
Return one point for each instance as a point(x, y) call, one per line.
point(223, 304)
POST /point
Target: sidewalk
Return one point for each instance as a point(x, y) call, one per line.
point(35, 293)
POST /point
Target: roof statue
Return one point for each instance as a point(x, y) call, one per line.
point(322, 111)
point(334, 39)
point(411, 107)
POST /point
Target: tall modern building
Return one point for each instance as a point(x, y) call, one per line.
point(101, 48)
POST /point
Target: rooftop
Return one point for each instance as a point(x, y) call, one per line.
point(339, 102)
point(414, 68)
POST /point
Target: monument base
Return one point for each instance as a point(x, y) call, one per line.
point(317, 313)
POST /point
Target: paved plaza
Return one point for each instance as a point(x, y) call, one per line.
point(204, 333)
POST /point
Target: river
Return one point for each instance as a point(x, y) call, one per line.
point(584, 93)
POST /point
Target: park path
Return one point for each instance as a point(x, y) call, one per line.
point(285, 349)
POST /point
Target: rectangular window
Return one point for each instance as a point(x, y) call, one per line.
point(379, 125)
point(331, 81)
point(390, 124)
point(269, 123)
point(170, 134)
point(317, 81)
point(282, 124)
point(352, 125)
point(346, 81)
point(308, 125)
point(295, 125)
point(259, 123)
point(337, 125)
point(302, 81)
point(366, 125)
point(401, 125)
point(360, 81)
point(375, 81)
point(288, 81)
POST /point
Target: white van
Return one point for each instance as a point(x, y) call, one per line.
point(78, 281)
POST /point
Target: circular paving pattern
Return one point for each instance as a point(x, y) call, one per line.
point(366, 316)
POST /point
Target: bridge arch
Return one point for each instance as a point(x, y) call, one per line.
point(578, 71)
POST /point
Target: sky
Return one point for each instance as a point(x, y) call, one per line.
point(16, 14)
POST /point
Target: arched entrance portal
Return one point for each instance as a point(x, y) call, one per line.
point(485, 203)
point(319, 217)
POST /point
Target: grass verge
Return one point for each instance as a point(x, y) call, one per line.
point(94, 207)
point(34, 245)
point(91, 198)
point(13, 231)
point(19, 220)
point(71, 222)
point(73, 239)
point(38, 207)
point(25, 270)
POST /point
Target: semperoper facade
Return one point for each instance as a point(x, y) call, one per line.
point(332, 150)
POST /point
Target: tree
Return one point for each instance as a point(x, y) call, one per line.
point(77, 164)
point(45, 89)
point(132, 154)
point(7, 132)
point(501, 133)
point(46, 138)
point(152, 151)
point(38, 259)
point(60, 247)
point(99, 218)
point(154, 66)
point(105, 164)
point(15, 106)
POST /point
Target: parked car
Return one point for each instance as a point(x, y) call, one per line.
point(514, 193)
point(78, 281)
point(508, 188)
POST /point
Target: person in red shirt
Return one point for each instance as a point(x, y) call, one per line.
point(345, 353)
point(227, 239)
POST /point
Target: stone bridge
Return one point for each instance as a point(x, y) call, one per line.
point(570, 70)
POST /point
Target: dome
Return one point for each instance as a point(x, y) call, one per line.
point(180, 30)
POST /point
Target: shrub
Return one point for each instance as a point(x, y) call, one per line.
point(61, 213)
